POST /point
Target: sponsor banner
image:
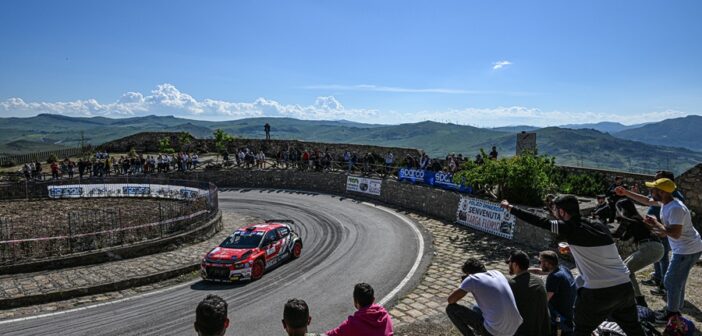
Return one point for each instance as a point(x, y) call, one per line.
point(363, 185)
point(438, 179)
point(124, 190)
point(485, 216)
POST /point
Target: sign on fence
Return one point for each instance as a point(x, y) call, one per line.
point(485, 216)
point(124, 190)
point(363, 185)
point(440, 179)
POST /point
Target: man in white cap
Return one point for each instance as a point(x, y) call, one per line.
point(685, 242)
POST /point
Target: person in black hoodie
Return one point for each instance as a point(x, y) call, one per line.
point(606, 292)
point(649, 246)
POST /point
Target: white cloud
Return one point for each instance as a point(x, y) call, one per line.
point(166, 99)
point(500, 64)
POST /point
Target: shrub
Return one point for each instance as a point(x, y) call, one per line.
point(524, 179)
point(583, 184)
point(52, 158)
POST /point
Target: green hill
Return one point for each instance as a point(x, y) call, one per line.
point(585, 147)
point(678, 132)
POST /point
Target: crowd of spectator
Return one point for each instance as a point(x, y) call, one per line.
point(102, 164)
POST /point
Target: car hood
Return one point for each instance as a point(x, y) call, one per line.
point(221, 253)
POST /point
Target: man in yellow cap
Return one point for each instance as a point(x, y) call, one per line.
point(685, 241)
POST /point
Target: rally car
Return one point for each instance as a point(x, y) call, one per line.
point(248, 252)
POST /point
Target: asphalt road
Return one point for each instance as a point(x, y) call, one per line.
point(345, 242)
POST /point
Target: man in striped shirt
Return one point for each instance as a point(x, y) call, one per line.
point(607, 291)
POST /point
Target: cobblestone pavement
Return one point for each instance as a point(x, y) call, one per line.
point(15, 286)
point(421, 312)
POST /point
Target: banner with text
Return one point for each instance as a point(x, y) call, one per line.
point(485, 216)
point(364, 185)
point(124, 190)
point(440, 179)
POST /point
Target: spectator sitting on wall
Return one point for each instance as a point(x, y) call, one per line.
point(602, 211)
point(370, 319)
point(424, 161)
point(612, 196)
point(296, 318)
point(479, 159)
point(37, 166)
point(435, 165)
point(529, 295)
point(389, 162)
point(211, 316)
point(560, 291)
point(496, 311)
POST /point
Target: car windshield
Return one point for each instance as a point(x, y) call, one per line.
point(243, 240)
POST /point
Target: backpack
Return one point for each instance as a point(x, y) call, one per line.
point(646, 314)
point(679, 326)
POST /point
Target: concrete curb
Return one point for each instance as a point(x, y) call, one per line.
point(205, 231)
point(97, 289)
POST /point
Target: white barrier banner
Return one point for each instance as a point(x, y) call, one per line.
point(485, 216)
point(364, 185)
point(124, 190)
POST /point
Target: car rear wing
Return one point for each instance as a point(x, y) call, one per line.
point(289, 222)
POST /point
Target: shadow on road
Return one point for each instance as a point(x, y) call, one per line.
point(216, 286)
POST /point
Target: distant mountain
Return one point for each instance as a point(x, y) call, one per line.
point(605, 126)
point(516, 129)
point(588, 147)
point(678, 132)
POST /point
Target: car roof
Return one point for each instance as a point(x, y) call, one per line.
point(263, 227)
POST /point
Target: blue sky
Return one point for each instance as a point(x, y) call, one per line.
point(481, 63)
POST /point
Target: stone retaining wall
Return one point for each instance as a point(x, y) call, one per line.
point(690, 184)
point(630, 179)
point(149, 142)
point(437, 203)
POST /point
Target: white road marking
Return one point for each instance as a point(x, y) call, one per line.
point(417, 261)
point(100, 304)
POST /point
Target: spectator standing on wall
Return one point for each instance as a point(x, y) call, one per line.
point(496, 311)
point(424, 161)
point(685, 242)
point(560, 291)
point(389, 162)
point(267, 129)
point(606, 292)
point(54, 170)
point(493, 153)
point(37, 166)
point(27, 171)
point(529, 295)
point(211, 316)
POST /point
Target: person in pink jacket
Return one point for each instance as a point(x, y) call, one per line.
point(369, 320)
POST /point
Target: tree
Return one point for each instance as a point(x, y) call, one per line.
point(184, 141)
point(523, 179)
point(164, 145)
point(221, 140)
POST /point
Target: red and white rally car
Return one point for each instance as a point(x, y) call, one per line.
point(248, 252)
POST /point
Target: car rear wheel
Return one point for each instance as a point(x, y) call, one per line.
point(297, 250)
point(257, 269)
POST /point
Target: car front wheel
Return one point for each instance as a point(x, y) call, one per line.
point(297, 250)
point(257, 269)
